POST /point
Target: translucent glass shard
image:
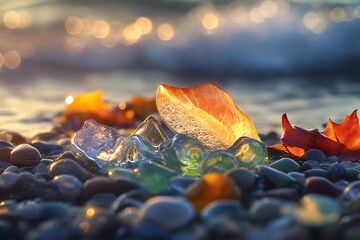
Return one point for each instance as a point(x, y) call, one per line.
point(151, 130)
point(218, 161)
point(133, 149)
point(97, 141)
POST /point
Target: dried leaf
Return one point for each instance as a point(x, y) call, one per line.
point(92, 106)
point(205, 111)
point(342, 140)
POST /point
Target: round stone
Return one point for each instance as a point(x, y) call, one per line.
point(314, 154)
point(69, 166)
point(168, 212)
point(286, 165)
point(243, 178)
point(25, 155)
point(264, 210)
point(317, 210)
point(321, 185)
point(69, 186)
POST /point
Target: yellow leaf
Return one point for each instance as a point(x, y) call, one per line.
point(206, 112)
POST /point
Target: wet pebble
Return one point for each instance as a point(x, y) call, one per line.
point(180, 183)
point(286, 165)
point(243, 178)
point(47, 149)
point(69, 186)
point(336, 172)
point(264, 210)
point(314, 154)
point(5, 150)
point(315, 173)
point(170, 213)
point(58, 230)
point(25, 155)
point(69, 166)
point(232, 209)
point(321, 185)
point(275, 178)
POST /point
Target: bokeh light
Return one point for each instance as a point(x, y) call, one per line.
point(256, 16)
point(12, 20)
point(210, 21)
point(314, 22)
point(132, 33)
point(100, 29)
point(1, 60)
point(12, 59)
point(268, 9)
point(165, 32)
point(145, 24)
point(74, 25)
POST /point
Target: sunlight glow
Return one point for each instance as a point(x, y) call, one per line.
point(90, 213)
point(69, 100)
point(165, 32)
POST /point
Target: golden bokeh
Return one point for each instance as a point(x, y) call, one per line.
point(268, 9)
point(132, 33)
point(144, 24)
point(314, 22)
point(165, 32)
point(210, 21)
point(12, 19)
point(100, 29)
point(12, 59)
point(90, 212)
point(74, 25)
point(338, 14)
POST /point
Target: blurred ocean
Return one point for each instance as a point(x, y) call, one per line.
point(273, 56)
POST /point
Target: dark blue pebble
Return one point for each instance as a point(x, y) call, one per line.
point(335, 172)
point(233, 209)
point(55, 230)
point(47, 149)
point(101, 200)
point(180, 183)
point(321, 185)
point(315, 173)
point(149, 231)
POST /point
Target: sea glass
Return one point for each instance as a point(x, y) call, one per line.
point(153, 176)
point(249, 152)
point(97, 141)
point(133, 149)
point(151, 130)
point(183, 151)
point(218, 161)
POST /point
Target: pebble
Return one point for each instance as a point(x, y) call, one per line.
point(25, 155)
point(314, 154)
point(69, 186)
point(171, 213)
point(243, 178)
point(264, 210)
point(321, 185)
point(68, 166)
point(216, 209)
point(275, 178)
point(286, 165)
point(5, 150)
point(181, 183)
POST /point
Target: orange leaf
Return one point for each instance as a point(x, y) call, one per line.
point(205, 111)
point(342, 140)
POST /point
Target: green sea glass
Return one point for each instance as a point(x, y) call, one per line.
point(218, 161)
point(249, 152)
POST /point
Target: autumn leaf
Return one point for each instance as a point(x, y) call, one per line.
point(341, 140)
point(205, 111)
point(92, 106)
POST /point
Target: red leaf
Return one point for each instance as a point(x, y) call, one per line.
point(342, 140)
